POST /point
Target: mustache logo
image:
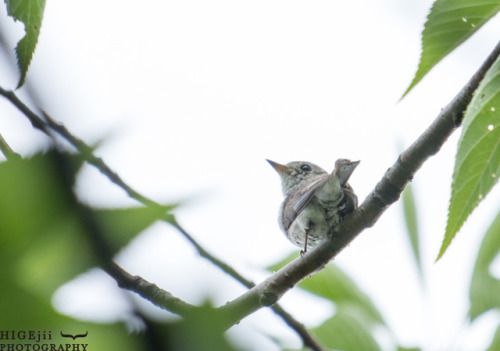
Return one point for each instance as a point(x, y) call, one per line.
point(74, 337)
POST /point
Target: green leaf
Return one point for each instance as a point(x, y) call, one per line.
point(121, 225)
point(411, 220)
point(345, 332)
point(280, 264)
point(449, 24)
point(356, 316)
point(43, 237)
point(42, 246)
point(484, 291)
point(401, 348)
point(495, 343)
point(30, 12)
point(199, 330)
point(333, 284)
point(477, 164)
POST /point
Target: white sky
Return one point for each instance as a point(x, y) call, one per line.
point(191, 97)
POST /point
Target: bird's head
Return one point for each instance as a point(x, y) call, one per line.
point(295, 172)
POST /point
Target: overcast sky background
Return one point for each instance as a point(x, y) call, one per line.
point(191, 97)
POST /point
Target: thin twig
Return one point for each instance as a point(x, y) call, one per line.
point(148, 290)
point(102, 251)
point(307, 338)
point(386, 192)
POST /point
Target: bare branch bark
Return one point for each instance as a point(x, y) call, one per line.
point(148, 291)
point(386, 192)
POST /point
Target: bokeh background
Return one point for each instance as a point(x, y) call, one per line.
point(189, 99)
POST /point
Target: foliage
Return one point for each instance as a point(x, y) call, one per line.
point(411, 221)
point(43, 245)
point(484, 288)
point(29, 12)
point(477, 164)
point(44, 242)
point(355, 317)
point(449, 24)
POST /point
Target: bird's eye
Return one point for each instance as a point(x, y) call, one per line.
point(306, 168)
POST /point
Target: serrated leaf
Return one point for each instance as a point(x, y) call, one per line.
point(333, 284)
point(484, 291)
point(345, 332)
point(449, 24)
point(411, 221)
point(30, 13)
point(477, 164)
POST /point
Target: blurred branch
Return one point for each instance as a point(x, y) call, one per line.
point(124, 279)
point(147, 290)
point(7, 151)
point(103, 253)
point(386, 192)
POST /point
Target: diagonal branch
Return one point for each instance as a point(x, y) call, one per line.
point(124, 279)
point(386, 192)
point(147, 290)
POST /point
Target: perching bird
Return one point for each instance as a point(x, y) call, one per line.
point(314, 201)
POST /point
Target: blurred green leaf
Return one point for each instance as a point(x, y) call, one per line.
point(200, 330)
point(351, 326)
point(449, 24)
point(333, 284)
point(43, 236)
point(477, 164)
point(122, 224)
point(280, 264)
point(484, 291)
point(411, 221)
point(29, 12)
point(495, 343)
point(400, 348)
point(345, 332)
point(43, 245)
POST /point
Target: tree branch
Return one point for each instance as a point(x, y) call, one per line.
point(307, 338)
point(148, 291)
point(386, 192)
point(267, 293)
point(124, 279)
point(102, 251)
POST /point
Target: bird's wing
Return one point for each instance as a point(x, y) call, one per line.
point(307, 193)
point(295, 203)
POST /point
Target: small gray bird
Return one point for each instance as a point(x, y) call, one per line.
point(314, 201)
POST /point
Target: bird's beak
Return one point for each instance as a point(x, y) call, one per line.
point(354, 164)
point(281, 169)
